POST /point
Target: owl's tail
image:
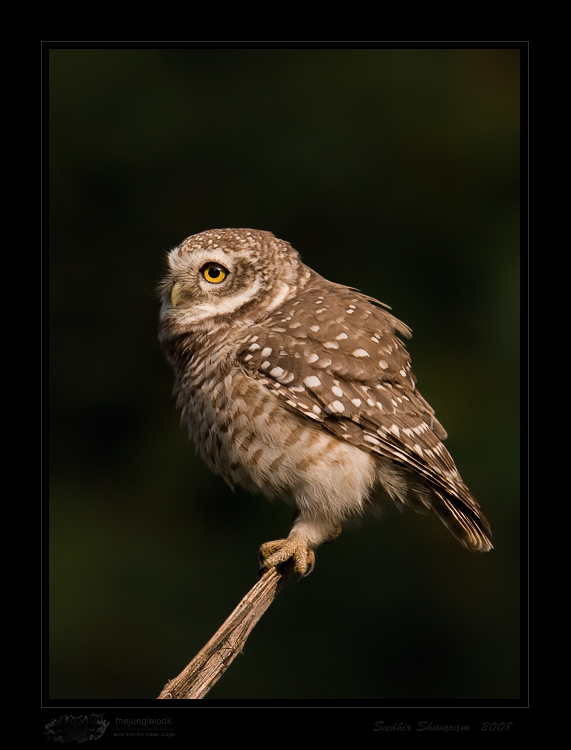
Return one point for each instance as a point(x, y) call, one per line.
point(464, 519)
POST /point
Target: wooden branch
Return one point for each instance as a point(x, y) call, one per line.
point(213, 660)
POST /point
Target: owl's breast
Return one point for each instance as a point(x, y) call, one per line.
point(243, 432)
point(235, 422)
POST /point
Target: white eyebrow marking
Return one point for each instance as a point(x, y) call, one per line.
point(222, 305)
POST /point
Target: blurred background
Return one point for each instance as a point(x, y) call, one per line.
point(395, 171)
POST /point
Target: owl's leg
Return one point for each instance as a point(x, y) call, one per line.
point(303, 538)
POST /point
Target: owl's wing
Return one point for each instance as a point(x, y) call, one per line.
point(336, 359)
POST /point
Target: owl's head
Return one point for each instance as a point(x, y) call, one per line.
point(227, 275)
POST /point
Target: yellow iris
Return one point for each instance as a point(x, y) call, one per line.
point(214, 272)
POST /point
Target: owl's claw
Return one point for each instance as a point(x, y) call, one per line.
point(274, 553)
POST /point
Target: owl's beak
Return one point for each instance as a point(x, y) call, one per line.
point(176, 294)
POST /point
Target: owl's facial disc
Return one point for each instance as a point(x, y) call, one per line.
point(213, 273)
point(209, 282)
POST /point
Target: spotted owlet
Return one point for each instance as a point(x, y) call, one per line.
point(298, 387)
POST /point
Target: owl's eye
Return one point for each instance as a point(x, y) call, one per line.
point(214, 272)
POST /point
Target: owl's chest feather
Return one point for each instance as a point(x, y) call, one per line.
point(243, 432)
point(226, 411)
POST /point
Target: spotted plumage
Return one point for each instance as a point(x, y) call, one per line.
point(298, 387)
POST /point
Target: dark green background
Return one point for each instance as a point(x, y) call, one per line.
point(392, 170)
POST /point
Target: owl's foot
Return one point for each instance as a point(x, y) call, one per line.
point(296, 548)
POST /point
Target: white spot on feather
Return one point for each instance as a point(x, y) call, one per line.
point(336, 406)
point(312, 381)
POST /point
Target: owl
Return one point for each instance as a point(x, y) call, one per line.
point(300, 388)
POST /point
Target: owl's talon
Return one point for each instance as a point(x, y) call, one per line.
point(272, 554)
point(310, 568)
